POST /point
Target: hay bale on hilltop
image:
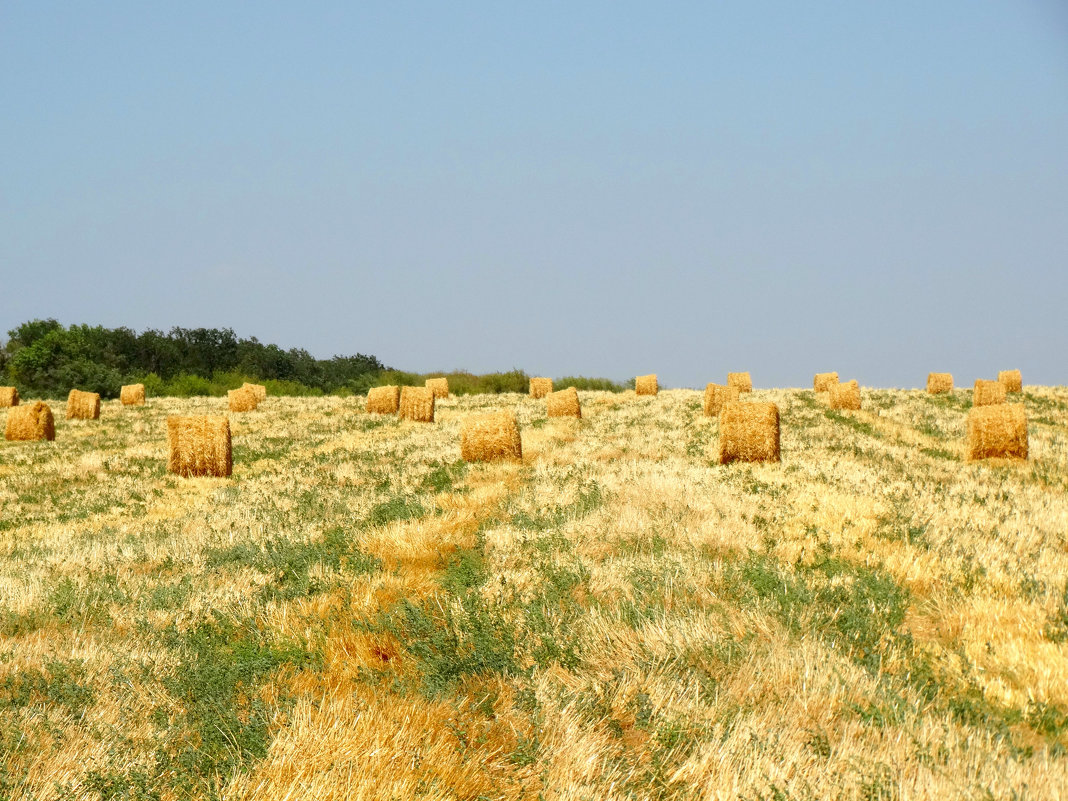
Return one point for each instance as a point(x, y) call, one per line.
point(83, 405)
point(540, 387)
point(383, 400)
point(845, 395)
point(31, 421)
point(646, 385)
point(716, 396)
point(259, 390)
point(439, 386)
point(417, 403)
point(749, 432)
point(988, 393)
point(740, 380)
point(489, 437)
point(9, 396)
point(199, 445)
point(1012, 380)
point(824, 382)
point(564, 403)
point(132, 395)
point(997, 432)
point(242, 400)
point(938, 383)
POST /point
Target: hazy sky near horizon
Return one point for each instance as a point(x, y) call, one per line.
point(591, 188)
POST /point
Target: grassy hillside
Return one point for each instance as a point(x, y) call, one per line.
point(356, 613)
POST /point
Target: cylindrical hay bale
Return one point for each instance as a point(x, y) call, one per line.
point(489, 437)
point(242, 400)
point(1012, 380)
point(540, 387)
point(383, 400)
point(32, 421)
point(132, 395)
point(824, 382)
point(988, 393)
point(439, 386)
point(646, 385)
point(748, 432)
point(417, 403)
point(716, 395)
point(845, 395)
point(997, 431)
point(937, 383)
point(564, 403)
point(259, 390)
point(9, 396)
point(199, 445)
point(83, 405)
point(740, 380)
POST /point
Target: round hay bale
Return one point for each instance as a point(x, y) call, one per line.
point(998, 431)
point(242, 400)
point(937, 383)
point(740, 380)
point(439, 386)
point(30, 422)
point(845, 395)
point(749, 432)
point(9, 396)
point(83, 405)
point(988, 393)
point(540, 387)
point(489, 437)
point(564, 403)
point(716, 395)
point(417, 403)
point(1012, 380)
point(823, 382)
point(383, 400)
point(646, 385)
point(132, 395)
point(259, 390)
point(199, 445)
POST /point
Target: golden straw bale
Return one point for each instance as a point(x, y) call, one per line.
point(1012, 380)
point(259, 390)
point(31, 421)
point(564, 403)
point(242, 400)
point(199, 445)
point(823, 382)
point(132, 395)
point(83, 405)
point(439, 386)
point(383, 400)
point(748, 432)
point(997, 431)
point(740, 380)
point(937, 383)
point(492, 436)
point(9, 396)
point(716, 395)
point(540, 387)
point(845, 395)
point(417, 403)
point(646, 385)
point(988, 393)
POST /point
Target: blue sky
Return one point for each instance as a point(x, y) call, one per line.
point(598, 188)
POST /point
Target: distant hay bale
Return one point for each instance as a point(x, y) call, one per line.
point(823, 382)
point(439, 386)
point(31, 421)
point(564, 403)
point(998, 431)
point(716, 395)
point(259, 390)
point(242, 400)
point(540, 387)
point(748, 432)
point(417, 403)
point(988, 393)
point(383, 400)
point(9, 396)
point(740, 380)
point(489, 437)
point(646, 385)
point(1012, 380)
point(199, 445)
point(845, 395)
point(83, 405)
point(937, 383)
point(132, 395)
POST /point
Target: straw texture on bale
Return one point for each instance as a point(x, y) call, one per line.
point(383, 400)
point(716, 395)
point(9, 396)
point(564, 403)
point(1012, 380)
point(242, 400)
point(740, 380)
point(489, 437)
point(132, 395)
point(845, 395)
point(31, 421)
point(646, 385)
point(997, 432)
point(83, 405)
point(937, 383)
point(824, 382)
point(748, 432)
point(259, 390)
point(439, 386)
point(417, 403)
point(199, 445)
point(988, 393)
point(540, 387)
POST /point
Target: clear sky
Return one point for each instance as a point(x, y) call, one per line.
point(586, 188)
